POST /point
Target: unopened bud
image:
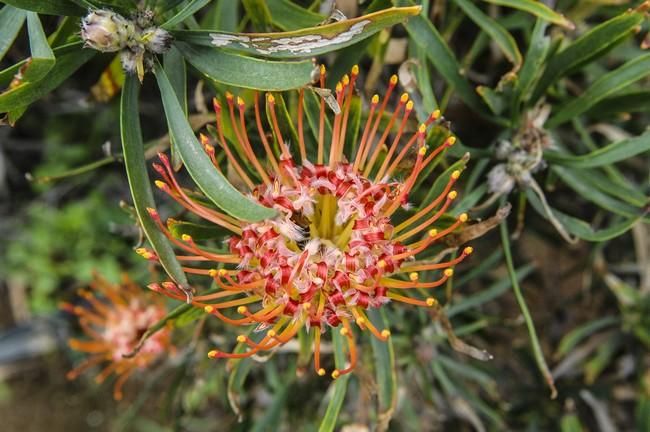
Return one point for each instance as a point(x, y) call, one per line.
point(105, 30)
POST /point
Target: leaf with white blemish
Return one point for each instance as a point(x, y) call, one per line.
point(306, 42)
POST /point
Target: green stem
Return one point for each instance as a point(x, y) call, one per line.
point(537, 349)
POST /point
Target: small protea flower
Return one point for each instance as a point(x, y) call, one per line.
point(106, 31)
point(136, 39)
point(342, 241)
point(114, 317)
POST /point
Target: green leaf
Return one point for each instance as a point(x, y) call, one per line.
point(570, 423)
point(136, 170)
point(28, 92)
point(289, 16)
point(66, 32)
point(312, 114)
point(643, 413)
point(125, 7)
point(627, 102)
point(603, 358)
point(354, 124)
point(189, 10)
point(499, 35)
point(612, 82)
point(536, 8)
point(340, 385)
point(579, 227)
point(285, 123)
point(188, 317)
point(196, 231)
point(493, 99)
point(425, 35)
point(533, 66)
point(490, 293)
point(579, 182)
point(385, 372)
point(49, 7)
point(222, 16)
point(258, 12)
point(11, 21)
point(575, 336)
point(174, 65)
point(589, 47)
point(607, 155)
point(442, 180)
point(247, 72)
point(306, 42)
point(621, 188)
point(213, 184)
point(42, 59)
point(239, 370)
point(272, 418)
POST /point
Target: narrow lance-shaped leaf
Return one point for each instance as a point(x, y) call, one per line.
point(625, 102)
point(136, 170)
point(340, 385)
point(307, 42)
point(11, 21)
point(536, 8)
point(442, 58)
point(239, 370)
point(533, 67)
point(174, 65)
point(71, 58)
point(607, 155)
point(258, 12)
point(241, 71)
point(499, 35)
point(616, 80)
point(588, 47)
point(35, 67)
point(385, 372)
point(580, 228)
point(48, 7)
point(213, 184)
point(577, 335)
point(125, 7)
point(490, 293)
point(42, 56)
point(579, 181)
point(287, 15)
point(189, 10)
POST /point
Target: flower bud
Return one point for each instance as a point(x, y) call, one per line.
point(106, 31)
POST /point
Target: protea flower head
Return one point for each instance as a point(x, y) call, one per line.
point(114, 317)
point(342, 241)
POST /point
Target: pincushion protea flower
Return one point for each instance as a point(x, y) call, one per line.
point(334, 249)
point(114, 318)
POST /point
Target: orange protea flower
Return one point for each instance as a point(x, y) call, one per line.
point(114, 319)
point(341, 242)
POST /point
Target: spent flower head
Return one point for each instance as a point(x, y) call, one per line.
point(341, 243)
point(114, 318)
